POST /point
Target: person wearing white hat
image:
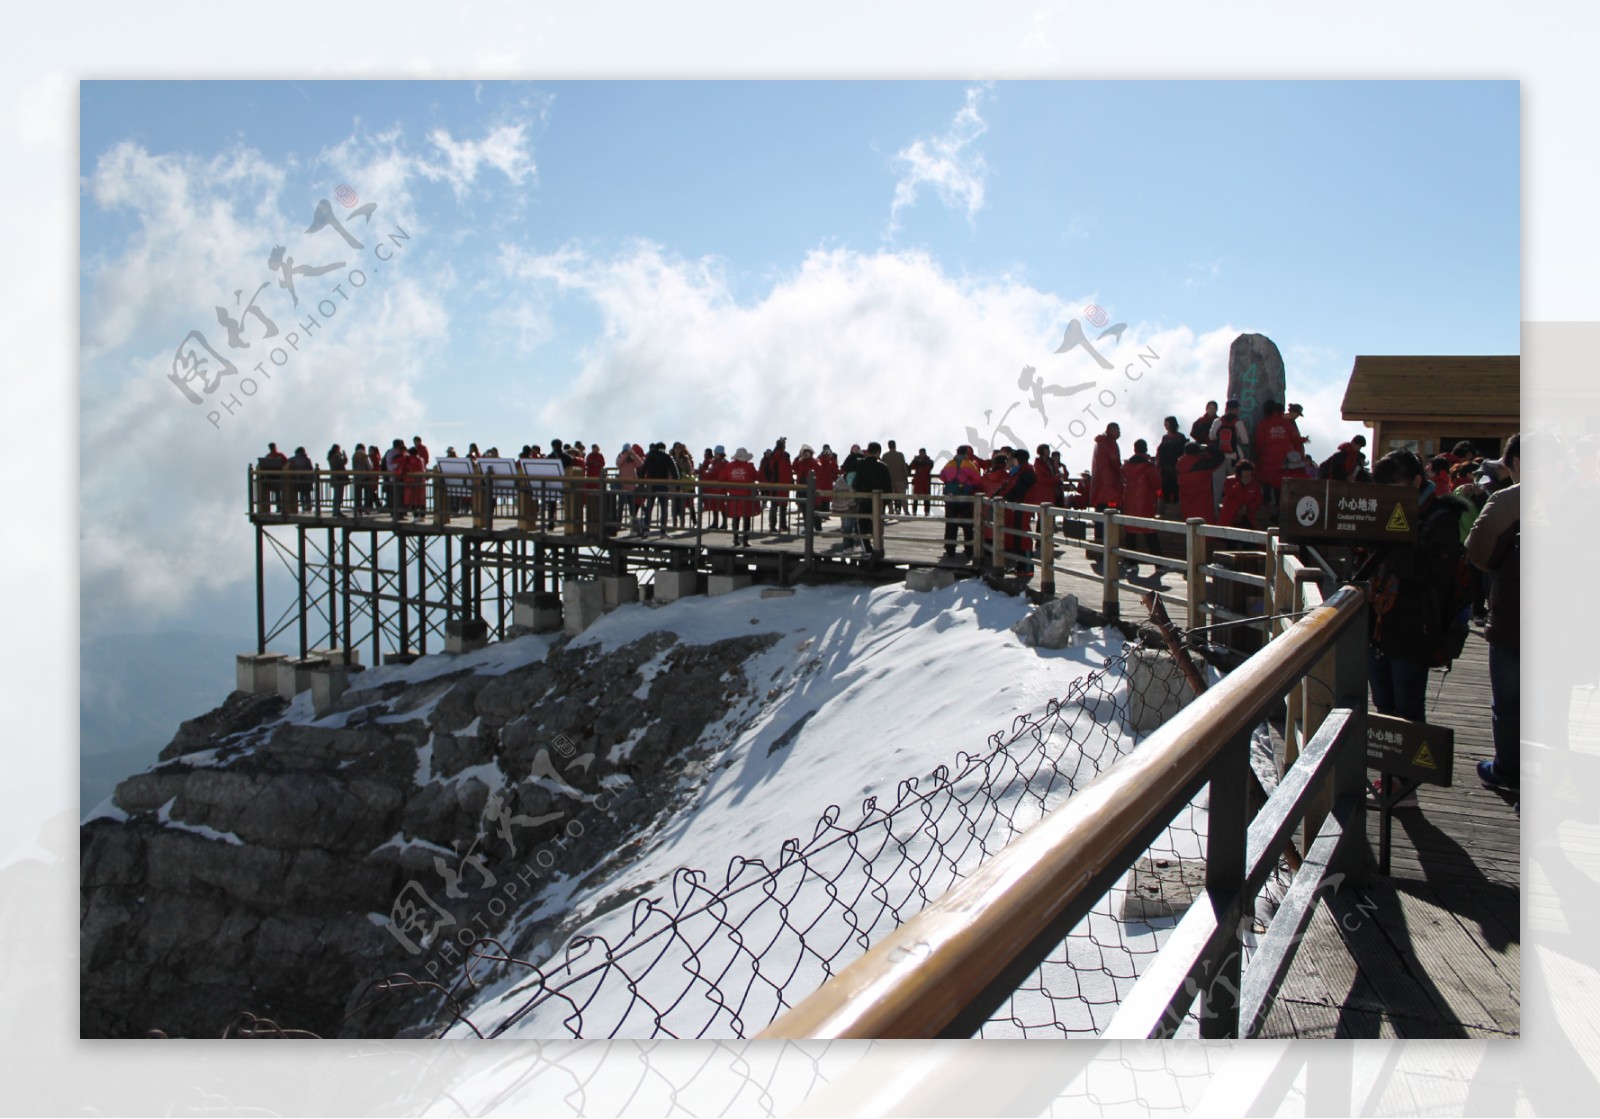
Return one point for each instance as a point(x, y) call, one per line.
point(742, 503)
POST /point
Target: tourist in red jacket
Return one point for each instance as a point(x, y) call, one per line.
point(1275, 437)
point(827, 477)
point(1141, 497)
point(409, 468)
point(1194, 482)
point(1105, 470)
point(1241, 497)
point(742, 504)
point(1105, 479)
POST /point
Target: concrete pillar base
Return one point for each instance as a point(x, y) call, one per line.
point(727, 584)
point(333, 654)
point(673, 585)
point(465, 636)
point(257, 673)
point(400, 658)
point(582, 604)
point(328, 684)
point(294, 674)
point(539, 611)
point(618, 590)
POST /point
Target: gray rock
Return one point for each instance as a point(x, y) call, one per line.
point(1050, 624)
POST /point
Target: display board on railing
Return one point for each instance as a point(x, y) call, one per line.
point(1317, 511)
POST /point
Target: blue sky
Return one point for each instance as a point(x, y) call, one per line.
point(730, 261)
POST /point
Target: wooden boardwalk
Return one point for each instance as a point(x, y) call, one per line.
point(1433, 950)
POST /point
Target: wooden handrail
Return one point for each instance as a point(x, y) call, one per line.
point(921, 977)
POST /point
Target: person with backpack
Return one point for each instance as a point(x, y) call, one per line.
point(659, 469)
point(1494, 547)
point(960, 477)
point(1346, 464)
point(1228, 435)
point(1418, 595)
point(338, 476)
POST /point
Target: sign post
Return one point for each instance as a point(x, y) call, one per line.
point(1409, 755)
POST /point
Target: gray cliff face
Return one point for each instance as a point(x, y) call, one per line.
point(261, 861)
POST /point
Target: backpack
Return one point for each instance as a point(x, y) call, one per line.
point(955, 488)
point(1225, 434)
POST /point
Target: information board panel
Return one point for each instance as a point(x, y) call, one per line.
point(1313, 511)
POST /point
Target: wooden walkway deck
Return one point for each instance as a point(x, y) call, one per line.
point(1433, 950)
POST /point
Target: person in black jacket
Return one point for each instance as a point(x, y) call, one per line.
point(872, 476)
point(1412, 606)
point(1168, 451)
point(659, 468)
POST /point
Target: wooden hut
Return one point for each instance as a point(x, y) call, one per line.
point(1428, 404)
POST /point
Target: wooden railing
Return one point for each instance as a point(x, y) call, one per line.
point(947, 970)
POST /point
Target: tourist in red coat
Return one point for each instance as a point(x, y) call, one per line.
point(742, 504)
point(1105, 479)
point(1194, 482)
point(1275, 437)
point(1141, 497)
point(1241, 497)
point(827, 477)
point(1105, 470)
point(410, 469)
point(1045, 479)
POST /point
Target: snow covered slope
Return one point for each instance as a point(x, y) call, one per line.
point(854, 784)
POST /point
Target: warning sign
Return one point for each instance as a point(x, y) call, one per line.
point(1420, 751)
point(1347, 512)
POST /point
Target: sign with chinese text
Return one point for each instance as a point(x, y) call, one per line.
point(1315, 511)
point(1405, 749)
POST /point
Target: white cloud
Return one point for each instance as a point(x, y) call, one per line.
point(506, 149)
point(855, 346)
point(160, 484)
point(946, 163)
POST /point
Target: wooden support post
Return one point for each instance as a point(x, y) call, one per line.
point(977, 529)
point(877, 523)
point(1228, 821)
point(999, 519)
point(441, 503)
point(810, 514)
point(1195, 554)
point(1047, 550)
point(1110, 564)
